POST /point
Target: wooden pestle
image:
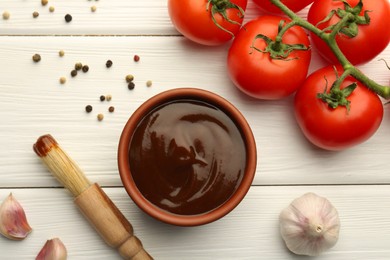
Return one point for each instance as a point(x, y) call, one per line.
point(92, 201)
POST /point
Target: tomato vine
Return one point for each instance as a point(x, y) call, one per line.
point(348, 23)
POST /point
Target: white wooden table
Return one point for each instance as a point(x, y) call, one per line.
point(33, 103)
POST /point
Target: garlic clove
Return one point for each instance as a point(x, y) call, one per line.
point(310, 225)
point(13, 221)
point(53, 249)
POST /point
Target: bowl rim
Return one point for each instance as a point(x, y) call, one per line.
point(163, 215)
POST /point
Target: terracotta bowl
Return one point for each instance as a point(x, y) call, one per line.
point(249, 157)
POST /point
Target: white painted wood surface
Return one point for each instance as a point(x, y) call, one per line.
point(34, 103)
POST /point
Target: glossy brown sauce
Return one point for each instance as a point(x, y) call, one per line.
point(187, 157)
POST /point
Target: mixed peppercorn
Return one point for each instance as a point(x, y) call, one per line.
point(79, 66)
point(68, 17)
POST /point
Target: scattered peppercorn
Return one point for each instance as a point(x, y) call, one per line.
point(93, 8)
point(108, 97)
point(102, 98)
point(68, 18)
point(109, 63)
point(73, 73)
point(88, 108)
point(44, 2)
point(78, 66)
point(61, 53)
point(149, 83)
point(51, 9)
point(100, 117)
point(111, 109)
point(85, 68)
point(129, 78)
point(136, 58)
point(35, 14)
point(6, 15)
point(62, 80)
point(131, 85)
point(36, 57)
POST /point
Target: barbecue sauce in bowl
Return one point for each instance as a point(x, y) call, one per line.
point(187, 157)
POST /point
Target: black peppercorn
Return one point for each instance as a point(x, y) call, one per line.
point(88, 108)
point(109, 63)
point(131, 85)
point(102, 98)
point(85, 68)
point(73, 73)
point(68, 18)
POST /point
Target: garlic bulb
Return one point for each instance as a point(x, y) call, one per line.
point(309, 225)
point(13, 221)
point(53, 249)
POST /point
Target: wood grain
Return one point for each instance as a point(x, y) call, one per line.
point(119, 17)
point(248, 232)
point(33, 103)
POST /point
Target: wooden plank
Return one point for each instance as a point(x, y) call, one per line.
point(248, 232)
point(35, 103)
point(111, 17)
point(120, 17)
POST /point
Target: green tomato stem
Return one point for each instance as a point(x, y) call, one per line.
point(383, 91)
point(330, 40)
point(220, 7)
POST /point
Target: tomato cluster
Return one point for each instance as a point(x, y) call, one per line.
point(269, 58)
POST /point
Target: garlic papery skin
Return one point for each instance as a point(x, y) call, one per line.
point(13, 221)
point(53, 249)
point(310, 225)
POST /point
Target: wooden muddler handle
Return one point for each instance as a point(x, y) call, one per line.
point(92, 201)
point(110, 223)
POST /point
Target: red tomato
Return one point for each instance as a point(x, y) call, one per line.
point(336, 129)
point(371, 40)
point(255, 73)
point(194, 19)
point(294, 5)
